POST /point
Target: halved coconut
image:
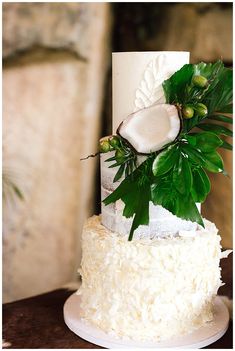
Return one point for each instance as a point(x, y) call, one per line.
point(150, 129)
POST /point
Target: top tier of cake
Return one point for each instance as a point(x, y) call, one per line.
point(137, 79)
point(137, 83)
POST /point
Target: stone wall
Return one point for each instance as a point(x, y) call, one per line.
point(203, 29)
point(55, 62)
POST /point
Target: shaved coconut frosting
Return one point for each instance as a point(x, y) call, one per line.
point(148, 289)
point(150, 129)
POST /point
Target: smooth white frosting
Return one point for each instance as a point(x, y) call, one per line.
point(148, 289)
point(137, 79)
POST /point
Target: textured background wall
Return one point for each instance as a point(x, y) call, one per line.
point(55, 60)
point(57, 101)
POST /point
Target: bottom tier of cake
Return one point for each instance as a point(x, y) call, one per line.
point(149, 289)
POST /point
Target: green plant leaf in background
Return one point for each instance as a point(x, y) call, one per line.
point(226, 109)
point(218, 129)
point(9, 187)
point(221, 118)
point(226, 145)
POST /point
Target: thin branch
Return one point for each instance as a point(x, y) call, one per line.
point(92, 155)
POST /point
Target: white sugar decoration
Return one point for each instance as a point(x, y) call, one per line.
point(150, 89)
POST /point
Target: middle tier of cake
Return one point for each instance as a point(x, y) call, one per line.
point(161, 222)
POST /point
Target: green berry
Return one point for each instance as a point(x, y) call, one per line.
point(200, 81)
point(187, 112)
point(201, 110)
point(114, 141)
point(104, 146)
point(119, 155)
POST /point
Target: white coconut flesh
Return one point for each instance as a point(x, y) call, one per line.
point(148, 130)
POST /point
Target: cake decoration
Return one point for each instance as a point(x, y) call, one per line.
point(174, 171)
point(152, 128)
point(150, 90)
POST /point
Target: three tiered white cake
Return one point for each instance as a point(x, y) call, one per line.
point(162, 283)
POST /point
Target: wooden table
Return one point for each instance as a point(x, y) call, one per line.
point(37, 322)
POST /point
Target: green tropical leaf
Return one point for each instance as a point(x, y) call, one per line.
point(160, 191)
point(205, 141)
point(208, 70)
point(213, 162)
point(165, 161)
point(218, 129)
point(126, 186)
point(165, 194)
point(221, 94)
point(195, 157)
point(135, 193)
point(141, 210)
point(201, 185)
point(191, 139)
point(182, 175)
point(227, 109)
point(110, 159)
point(191, 123)
point(131, 199)
point(226, 145)
point(187, 209)
point(119, 173)
point(221, 118)
point(211, 71)
point(115, 165)
point(205, 179)
point(17, 191)
point(175, 87)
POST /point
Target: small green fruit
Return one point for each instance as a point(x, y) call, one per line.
point(187, 112)
point(201, 110)
point(104, 146)
point(200, 81)
point(114, 141)
point(119, 155)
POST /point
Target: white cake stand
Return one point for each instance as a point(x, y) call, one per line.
point(198, 339)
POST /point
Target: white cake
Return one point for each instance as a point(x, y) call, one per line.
point(162, 283)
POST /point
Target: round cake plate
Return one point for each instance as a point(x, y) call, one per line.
point(202, 337)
